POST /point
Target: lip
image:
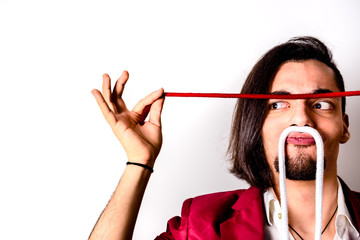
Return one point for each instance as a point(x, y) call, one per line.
point(303, 139)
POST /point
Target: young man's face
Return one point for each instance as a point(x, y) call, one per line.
point(323, 114)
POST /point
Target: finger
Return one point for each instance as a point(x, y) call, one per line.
point(155, 112)
point(106, 90)
point(120, 84)
point(119, 89)
point(104, 107)
point(148, 100)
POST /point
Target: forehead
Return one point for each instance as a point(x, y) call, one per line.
point(304, 77)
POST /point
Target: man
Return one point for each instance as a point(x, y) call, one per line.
point(301, 65)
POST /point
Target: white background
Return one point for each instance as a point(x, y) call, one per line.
point(60, 161)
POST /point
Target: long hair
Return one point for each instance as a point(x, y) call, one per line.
point(246, 146)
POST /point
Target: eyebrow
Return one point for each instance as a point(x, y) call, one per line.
point(322, 90)
point(316, 91)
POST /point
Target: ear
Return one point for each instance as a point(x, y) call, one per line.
point(346, 134)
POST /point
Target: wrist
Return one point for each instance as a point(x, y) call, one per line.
point(140, 165)
point(146, 159)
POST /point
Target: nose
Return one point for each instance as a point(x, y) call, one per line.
point(301, 115)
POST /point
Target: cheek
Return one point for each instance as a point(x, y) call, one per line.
point(331, 132)
point(270, 135)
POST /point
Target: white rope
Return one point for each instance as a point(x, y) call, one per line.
point(319, 178)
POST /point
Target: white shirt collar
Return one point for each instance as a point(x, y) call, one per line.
point(343, 216)
point(270, 202)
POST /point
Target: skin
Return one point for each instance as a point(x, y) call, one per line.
point(142, 145)
point(322, 114)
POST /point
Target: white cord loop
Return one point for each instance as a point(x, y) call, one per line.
point(319, 178)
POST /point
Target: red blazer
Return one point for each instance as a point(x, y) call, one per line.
point(233, 215)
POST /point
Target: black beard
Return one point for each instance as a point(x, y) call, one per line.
point(302, 167)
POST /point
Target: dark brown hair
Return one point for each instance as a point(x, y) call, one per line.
point(246, 147)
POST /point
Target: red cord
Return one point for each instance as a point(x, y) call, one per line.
point(252, 96)
point(264, 96)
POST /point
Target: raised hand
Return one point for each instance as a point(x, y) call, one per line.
point(141, 143)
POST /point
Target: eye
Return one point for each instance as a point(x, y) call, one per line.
point(322, 105)
point(278, 105)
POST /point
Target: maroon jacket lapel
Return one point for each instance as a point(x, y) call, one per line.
point(247, 221)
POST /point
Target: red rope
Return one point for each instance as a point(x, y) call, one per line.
point(264, 96)
point(252, 96)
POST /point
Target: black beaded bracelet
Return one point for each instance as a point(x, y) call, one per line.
point(141, 165)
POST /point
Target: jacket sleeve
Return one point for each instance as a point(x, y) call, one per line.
point(202, 216)
point(177, 227)
point(165, 236)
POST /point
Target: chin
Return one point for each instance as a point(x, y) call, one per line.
point(302, 167)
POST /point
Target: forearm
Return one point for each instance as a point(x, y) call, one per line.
point(118, 219)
